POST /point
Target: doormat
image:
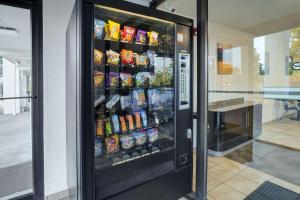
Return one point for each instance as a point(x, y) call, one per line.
point(271, 191)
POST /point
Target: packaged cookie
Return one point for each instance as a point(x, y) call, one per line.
point(112, 144)
point(113, 57)
point(114, 30)
point(126, 80)
point(127, 57)
point(140, 137)
point(98, 79)
point(130, 122)
point(99, 28)
point(153, 38)
point(127, 34)
point(116, 124)
point(137, 117)
point(140, 37)
point(99, 129)
point(123, 123)
point(127, 141)
point(98, 57)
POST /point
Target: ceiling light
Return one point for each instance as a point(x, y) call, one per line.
point(8, 31)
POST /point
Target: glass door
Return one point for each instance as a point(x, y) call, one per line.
point(133, 66)
point(16, 168)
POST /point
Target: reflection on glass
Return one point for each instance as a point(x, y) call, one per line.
point(133, 86)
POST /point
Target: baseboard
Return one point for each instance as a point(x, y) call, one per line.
point(63, 195)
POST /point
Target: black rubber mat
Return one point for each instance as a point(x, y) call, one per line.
point(271, 191)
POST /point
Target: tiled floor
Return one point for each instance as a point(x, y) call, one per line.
point(230, 180)
point(284, 132)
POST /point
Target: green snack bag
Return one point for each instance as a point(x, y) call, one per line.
point(108, 129)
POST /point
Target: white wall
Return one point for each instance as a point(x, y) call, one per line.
point(56, 16)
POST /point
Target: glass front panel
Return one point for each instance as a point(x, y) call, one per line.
point(134, 88)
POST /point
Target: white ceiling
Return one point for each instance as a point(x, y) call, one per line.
point(16, 48)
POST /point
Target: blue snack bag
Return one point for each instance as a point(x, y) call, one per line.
point(99, 28)
point(116, 123)
point(144, 118)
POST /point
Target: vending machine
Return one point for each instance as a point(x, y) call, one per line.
point(129, 102)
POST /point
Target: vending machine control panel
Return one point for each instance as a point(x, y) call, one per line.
point(184, 80)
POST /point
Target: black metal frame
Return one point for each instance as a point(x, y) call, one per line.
point(87, 152)
point(35, 6)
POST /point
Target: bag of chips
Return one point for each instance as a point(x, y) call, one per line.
point(99, 130)
point(125, 102)
point(127, 141)
point(112, 144)
point(127, 57)
point(140, 37)
point(113, 80)
point(140, 137)
point(112, 102)
point(144, 118)
point(114, 30)
point(107, 125)
point(154, 80)
point(142, 79)
point(113, 58)
point(123, 123)
point(98, 147)
point(99, 28)
point(153, 38)
point(154, 98)
point(115, 122)
point(130, 122)
point(98, 57)
point(98, 79)
point(126, 80)
point(127, 34)
point(138, 123)
point(138, 99)
point(151, 57)
point(152, 135)
point(141, 60)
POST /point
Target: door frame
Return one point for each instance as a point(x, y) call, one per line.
point(35, 6)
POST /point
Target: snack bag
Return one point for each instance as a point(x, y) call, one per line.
point(99, 28)
point(154, 80)
point(99, 125)
point(140, 137)
point(98, 79)
point(141, 60)
point(138, 98)
point(127, 34)
point(142, 79)
point(98, 147)
point(113, 58)
point(108, 129)
point(116, 124)
point(106, 30)
point(98, 57)
point(126, 80)
point(130, 122)
point(114, 30)
point(138, 123)
point(153, 38)
point(127, 57)
point(144, 118)
point(127, 141)
point(152, 135)
point(113, 80)
point(151, 57)
point(112, 102)
point(125, 102)
point(112, 144)
point(140, 37)
point(154, 98)
point(123, 123)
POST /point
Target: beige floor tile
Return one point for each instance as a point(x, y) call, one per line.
point(224, 192)
point(216, 160)
point(295, 143)
point(210, 197)
point(220, 173)
point(232, 166)
point(242, 184)
point(212, 182)
point(255, 175)
point(281, 139)
point(210, 165)
point(285, 184)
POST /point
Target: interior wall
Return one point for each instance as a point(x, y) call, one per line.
point(56, 14)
